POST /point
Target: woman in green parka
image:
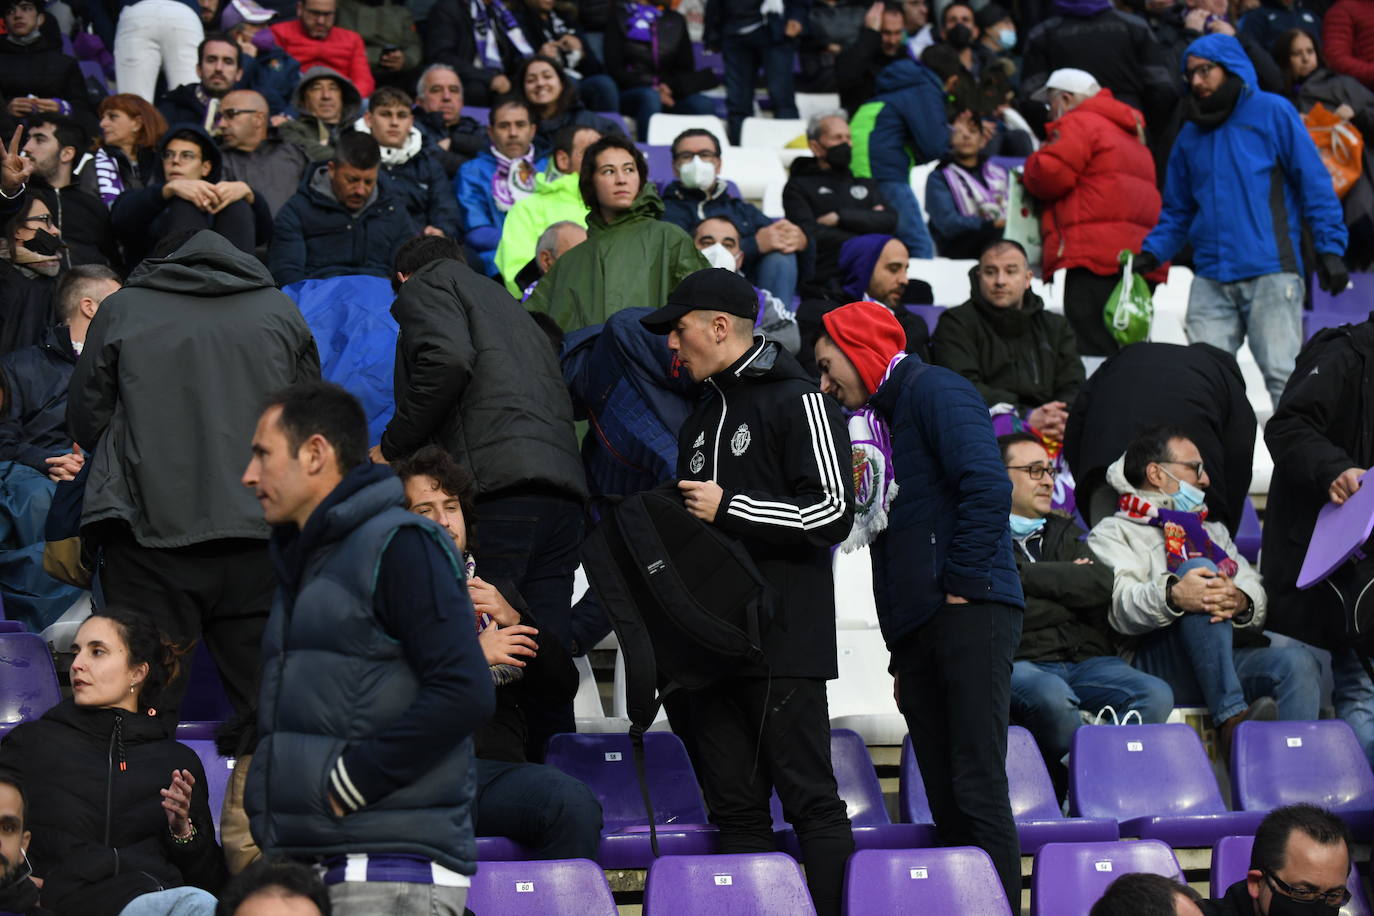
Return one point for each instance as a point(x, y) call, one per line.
point(631, 257)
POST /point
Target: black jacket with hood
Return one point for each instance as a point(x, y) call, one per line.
point(169, 387)
point(466, 138)
point(476, 375)
point(42, 70)
point(139, 216)
point(33, 422)
point(811, 192)
point(92, 778)
point(1020, 356)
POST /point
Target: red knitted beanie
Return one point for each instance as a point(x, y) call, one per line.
point(870, 335)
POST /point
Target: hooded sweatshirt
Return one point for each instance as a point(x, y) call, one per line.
point(903, 126)
point(1241, 192)
point(309, 132)
point(169, 388)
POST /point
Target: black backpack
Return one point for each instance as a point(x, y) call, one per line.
point(687, 603)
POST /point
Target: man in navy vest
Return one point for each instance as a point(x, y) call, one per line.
point(373, 681)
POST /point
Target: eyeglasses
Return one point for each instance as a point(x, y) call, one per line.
point(1200, 70)
point(1337, 896)
point(228, 113)
point(1195, 465)
point(1033, 471)
point(45, 219)
point(186, 155)
point(686, 155)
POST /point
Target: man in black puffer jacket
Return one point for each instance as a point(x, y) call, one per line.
point(476, 375)
point(35, 76)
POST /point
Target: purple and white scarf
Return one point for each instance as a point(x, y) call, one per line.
point(875, 484)
point(488, 44)
point(982, 194)
point(513, 179)
point(641, 20)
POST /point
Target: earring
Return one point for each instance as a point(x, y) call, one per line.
point(131, 687)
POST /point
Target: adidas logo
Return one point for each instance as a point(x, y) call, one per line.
point(701, 440)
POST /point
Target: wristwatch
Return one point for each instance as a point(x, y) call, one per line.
point(1169, 595)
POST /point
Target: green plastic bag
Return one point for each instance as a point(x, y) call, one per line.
point(1130, 308)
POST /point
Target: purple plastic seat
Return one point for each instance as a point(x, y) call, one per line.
point(555, 887)
point(13, 626)
point(1281, 763)
point(606, 764)
point(501, 849)
point(618, 119)
point(1155, 780)
point(1248, 535)
point(478, 113)
point(218, 770)
point(753, 884)
point(205, 699)
point(660, 160)
point(1069, 877)
point(1351, 307)
point(1033, 803)
point(28, 680)
point(930, 314)
point(960, 881)
point(863, 798)
point(1231, 860)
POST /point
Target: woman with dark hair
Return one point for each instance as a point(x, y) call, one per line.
point(130, 129)
point(1308, 82)
point(33, 250)
point(119, 811)
point(554, 102)
point(559, 38)
point(631, 256)
point(649, 54)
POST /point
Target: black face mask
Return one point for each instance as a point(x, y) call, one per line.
point(839, 156)
point(960, 37)
point(44, 242)
point(1279, 905)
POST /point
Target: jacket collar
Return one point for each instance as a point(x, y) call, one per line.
point(757, 360)
point(365, 491)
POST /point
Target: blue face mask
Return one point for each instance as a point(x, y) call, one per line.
point(1007, 39)
point(1188, 498)
point(1022, 527)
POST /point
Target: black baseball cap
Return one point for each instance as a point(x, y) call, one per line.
point(714, 289)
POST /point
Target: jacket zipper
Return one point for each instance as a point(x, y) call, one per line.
point(715, 452)
point(109, 791)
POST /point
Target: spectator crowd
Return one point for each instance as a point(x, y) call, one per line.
point(214, 211)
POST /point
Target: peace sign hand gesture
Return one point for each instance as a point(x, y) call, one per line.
point(16, 169)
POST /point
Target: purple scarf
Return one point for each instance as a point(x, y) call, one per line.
point(513, 179)
point(875, 483)
point(487, 43)
point(982, 193)
point(1184, 536)
point(641, 20)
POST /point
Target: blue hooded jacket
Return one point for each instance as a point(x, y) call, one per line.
point(903, 126)
point(1241, 191)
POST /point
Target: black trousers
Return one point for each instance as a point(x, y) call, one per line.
point(235, 222)
point(954, 688)
point(739, 763)
point(1085, 296)
point(220, 590)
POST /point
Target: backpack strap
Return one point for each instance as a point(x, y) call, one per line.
point(637, 747)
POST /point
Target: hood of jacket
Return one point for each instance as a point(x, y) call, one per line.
point(1224, 50)
point(648, 205)
point(353, 99)
point(1107, 106)
point(209, 148)
point(906, 74)
point(1081, 8)
point(1007, 322)
point(1116, 477)
point(207, 265)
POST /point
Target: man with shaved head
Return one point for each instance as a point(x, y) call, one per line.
point(252, 147)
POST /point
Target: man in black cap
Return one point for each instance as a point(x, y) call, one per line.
point(766, 457)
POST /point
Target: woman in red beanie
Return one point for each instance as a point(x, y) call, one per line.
point(932, 499)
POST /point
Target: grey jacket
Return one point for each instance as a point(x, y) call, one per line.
point(274, 169)
point(169, 388)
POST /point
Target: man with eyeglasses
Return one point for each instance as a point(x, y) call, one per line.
point(252, 148)
point(314, 40)
point(1179, 581)
point(1300, 866)
point(1244, 178)
point(1066, 663)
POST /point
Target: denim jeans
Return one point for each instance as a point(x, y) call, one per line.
point(911, 225)
point(153, 35)
point(179, 901)
point(599, 93)
point(1267, 309)
point(1198, 661)
point(744, 55)
point(1353, 697)
point(1046, 697)
point(644, 102)
point(538, 806)
point(777, 273)
point(395, 898)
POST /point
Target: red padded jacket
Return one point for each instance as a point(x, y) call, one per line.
point(342, 50)
point(1348, 39)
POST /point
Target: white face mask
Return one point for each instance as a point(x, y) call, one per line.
point(697, 174)
point(720, 256)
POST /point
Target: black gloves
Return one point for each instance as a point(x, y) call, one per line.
point(1145, 263)
point(1331, 273)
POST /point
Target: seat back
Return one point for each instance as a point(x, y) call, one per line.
point(663, 128)
point(771, 132)
point(205, 699)
point(1231, 861)
point(1028, 780)
point(218, 771)
point(556, 887)
point(660, 161)
point(959, 881)
point(855, 778)
point(1126, 771)
point(1281, 763)
point(28, 679)
point(752, 884)
point(1069, 877)
point(606, 764)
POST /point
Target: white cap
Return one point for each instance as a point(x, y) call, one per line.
point(1079, 82)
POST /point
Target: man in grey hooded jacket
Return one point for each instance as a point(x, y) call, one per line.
point(167, 391)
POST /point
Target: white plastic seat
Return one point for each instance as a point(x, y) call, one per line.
point(771, 132)
point(663, 128)
point(772, 200)
point(752, 169)
point(810, 104)
point(861, 697)
point(948, 278)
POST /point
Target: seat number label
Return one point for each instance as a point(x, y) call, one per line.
point(612, 756)
point(524, 887)
point(918, 874)
point(1295, 742)
point(1102, 866)
point(1135, 746)
point(724, 880)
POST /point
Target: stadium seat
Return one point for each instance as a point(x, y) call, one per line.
point(200, 737)
point(1033, 802)
point(810, 104)
point(606, 764)
point(1067, 878)
point(960, 881)
point(861, 697)
point(556, 887)
point(772, 133)
point(772, 200)
point(752, 169)
point(948, 278)
point(1248, 536)
point(205, 699)
point(13, 626)
point(920, 174)
point(863, 798)
point(478, 113)
point(1281, 763)
point(664, 128)
point(1349, 307)
point(660, 161)
point(1231, 860)
point(28, 680)
point(754, 884)
point(618, 119)
point(1155, 780)
point(930, 314)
